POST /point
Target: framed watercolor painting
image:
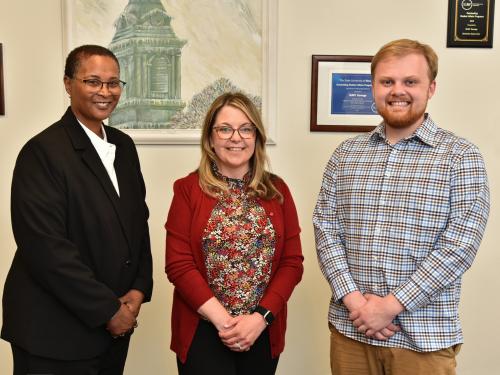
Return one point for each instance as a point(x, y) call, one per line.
point(177, 56)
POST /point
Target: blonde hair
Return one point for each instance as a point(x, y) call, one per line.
point(404, 47)
point(260, 181)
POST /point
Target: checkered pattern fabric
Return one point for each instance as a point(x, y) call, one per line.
point(405, 219)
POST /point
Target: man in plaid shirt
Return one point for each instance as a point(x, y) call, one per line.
point(399, 218)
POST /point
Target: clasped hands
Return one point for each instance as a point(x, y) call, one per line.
point(125, 319)
point(240, 332)
point(373, 315)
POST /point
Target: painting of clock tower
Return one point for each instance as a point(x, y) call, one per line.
point(149, 53)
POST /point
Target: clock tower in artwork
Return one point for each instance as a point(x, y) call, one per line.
point(150, 60)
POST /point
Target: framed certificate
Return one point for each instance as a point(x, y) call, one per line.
point(470, 23)
point(341, 94)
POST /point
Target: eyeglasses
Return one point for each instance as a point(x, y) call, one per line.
point(227, 132)
point(96, 84)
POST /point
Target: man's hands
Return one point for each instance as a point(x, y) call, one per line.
point(125, 319)
point(373, 315)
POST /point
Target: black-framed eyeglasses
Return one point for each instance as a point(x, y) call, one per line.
point(227, 132)
point(96, 84)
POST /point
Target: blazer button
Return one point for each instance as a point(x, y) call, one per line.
point(128, 262)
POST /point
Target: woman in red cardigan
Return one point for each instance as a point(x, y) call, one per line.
point(233, 250)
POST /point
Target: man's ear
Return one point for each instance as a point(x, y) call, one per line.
point(432, 89)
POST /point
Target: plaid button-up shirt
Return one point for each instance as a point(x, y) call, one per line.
point(405, 219)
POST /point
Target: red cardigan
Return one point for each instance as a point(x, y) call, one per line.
point(185, 266)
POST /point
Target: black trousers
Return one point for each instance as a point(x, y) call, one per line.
point(208, 355)
point(112, 362)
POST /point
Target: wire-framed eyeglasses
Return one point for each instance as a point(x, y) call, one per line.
point(96, 84)
point(227, 132)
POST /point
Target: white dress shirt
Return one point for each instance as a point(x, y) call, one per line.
point(106, 152)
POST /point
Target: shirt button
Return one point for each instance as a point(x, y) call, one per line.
point(271, 213)
point(382, 202)
point(375, 258)
point(377, 231)
point(128, 262)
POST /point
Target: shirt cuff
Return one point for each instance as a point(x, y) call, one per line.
point(342, 285)
point(410, 296)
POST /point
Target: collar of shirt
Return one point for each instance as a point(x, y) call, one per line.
point(426, 132)
point(106, 152)
point(231, 181)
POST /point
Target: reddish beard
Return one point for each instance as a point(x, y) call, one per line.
point(401, 119)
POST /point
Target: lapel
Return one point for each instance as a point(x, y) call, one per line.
point(82, 145)
point(126, 181)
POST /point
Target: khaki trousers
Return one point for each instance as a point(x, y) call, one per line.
point(351, 357)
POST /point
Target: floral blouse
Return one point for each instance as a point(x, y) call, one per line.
point(238, 246)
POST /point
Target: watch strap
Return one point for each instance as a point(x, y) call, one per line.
point(267, 314)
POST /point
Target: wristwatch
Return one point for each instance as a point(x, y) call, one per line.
point(268, 315)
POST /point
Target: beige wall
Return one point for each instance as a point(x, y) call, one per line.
point(466, 102)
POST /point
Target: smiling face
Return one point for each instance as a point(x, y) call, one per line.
point(90, 106)
point(401, 89)
point(233, 154)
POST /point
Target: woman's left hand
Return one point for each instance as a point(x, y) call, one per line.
point(242, 331)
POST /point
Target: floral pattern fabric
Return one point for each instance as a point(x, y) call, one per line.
point(238, 246)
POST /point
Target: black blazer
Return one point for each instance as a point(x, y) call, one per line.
point(80, 245)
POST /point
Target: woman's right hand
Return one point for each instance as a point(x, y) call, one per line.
point(215, 313)
point(242, 331)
